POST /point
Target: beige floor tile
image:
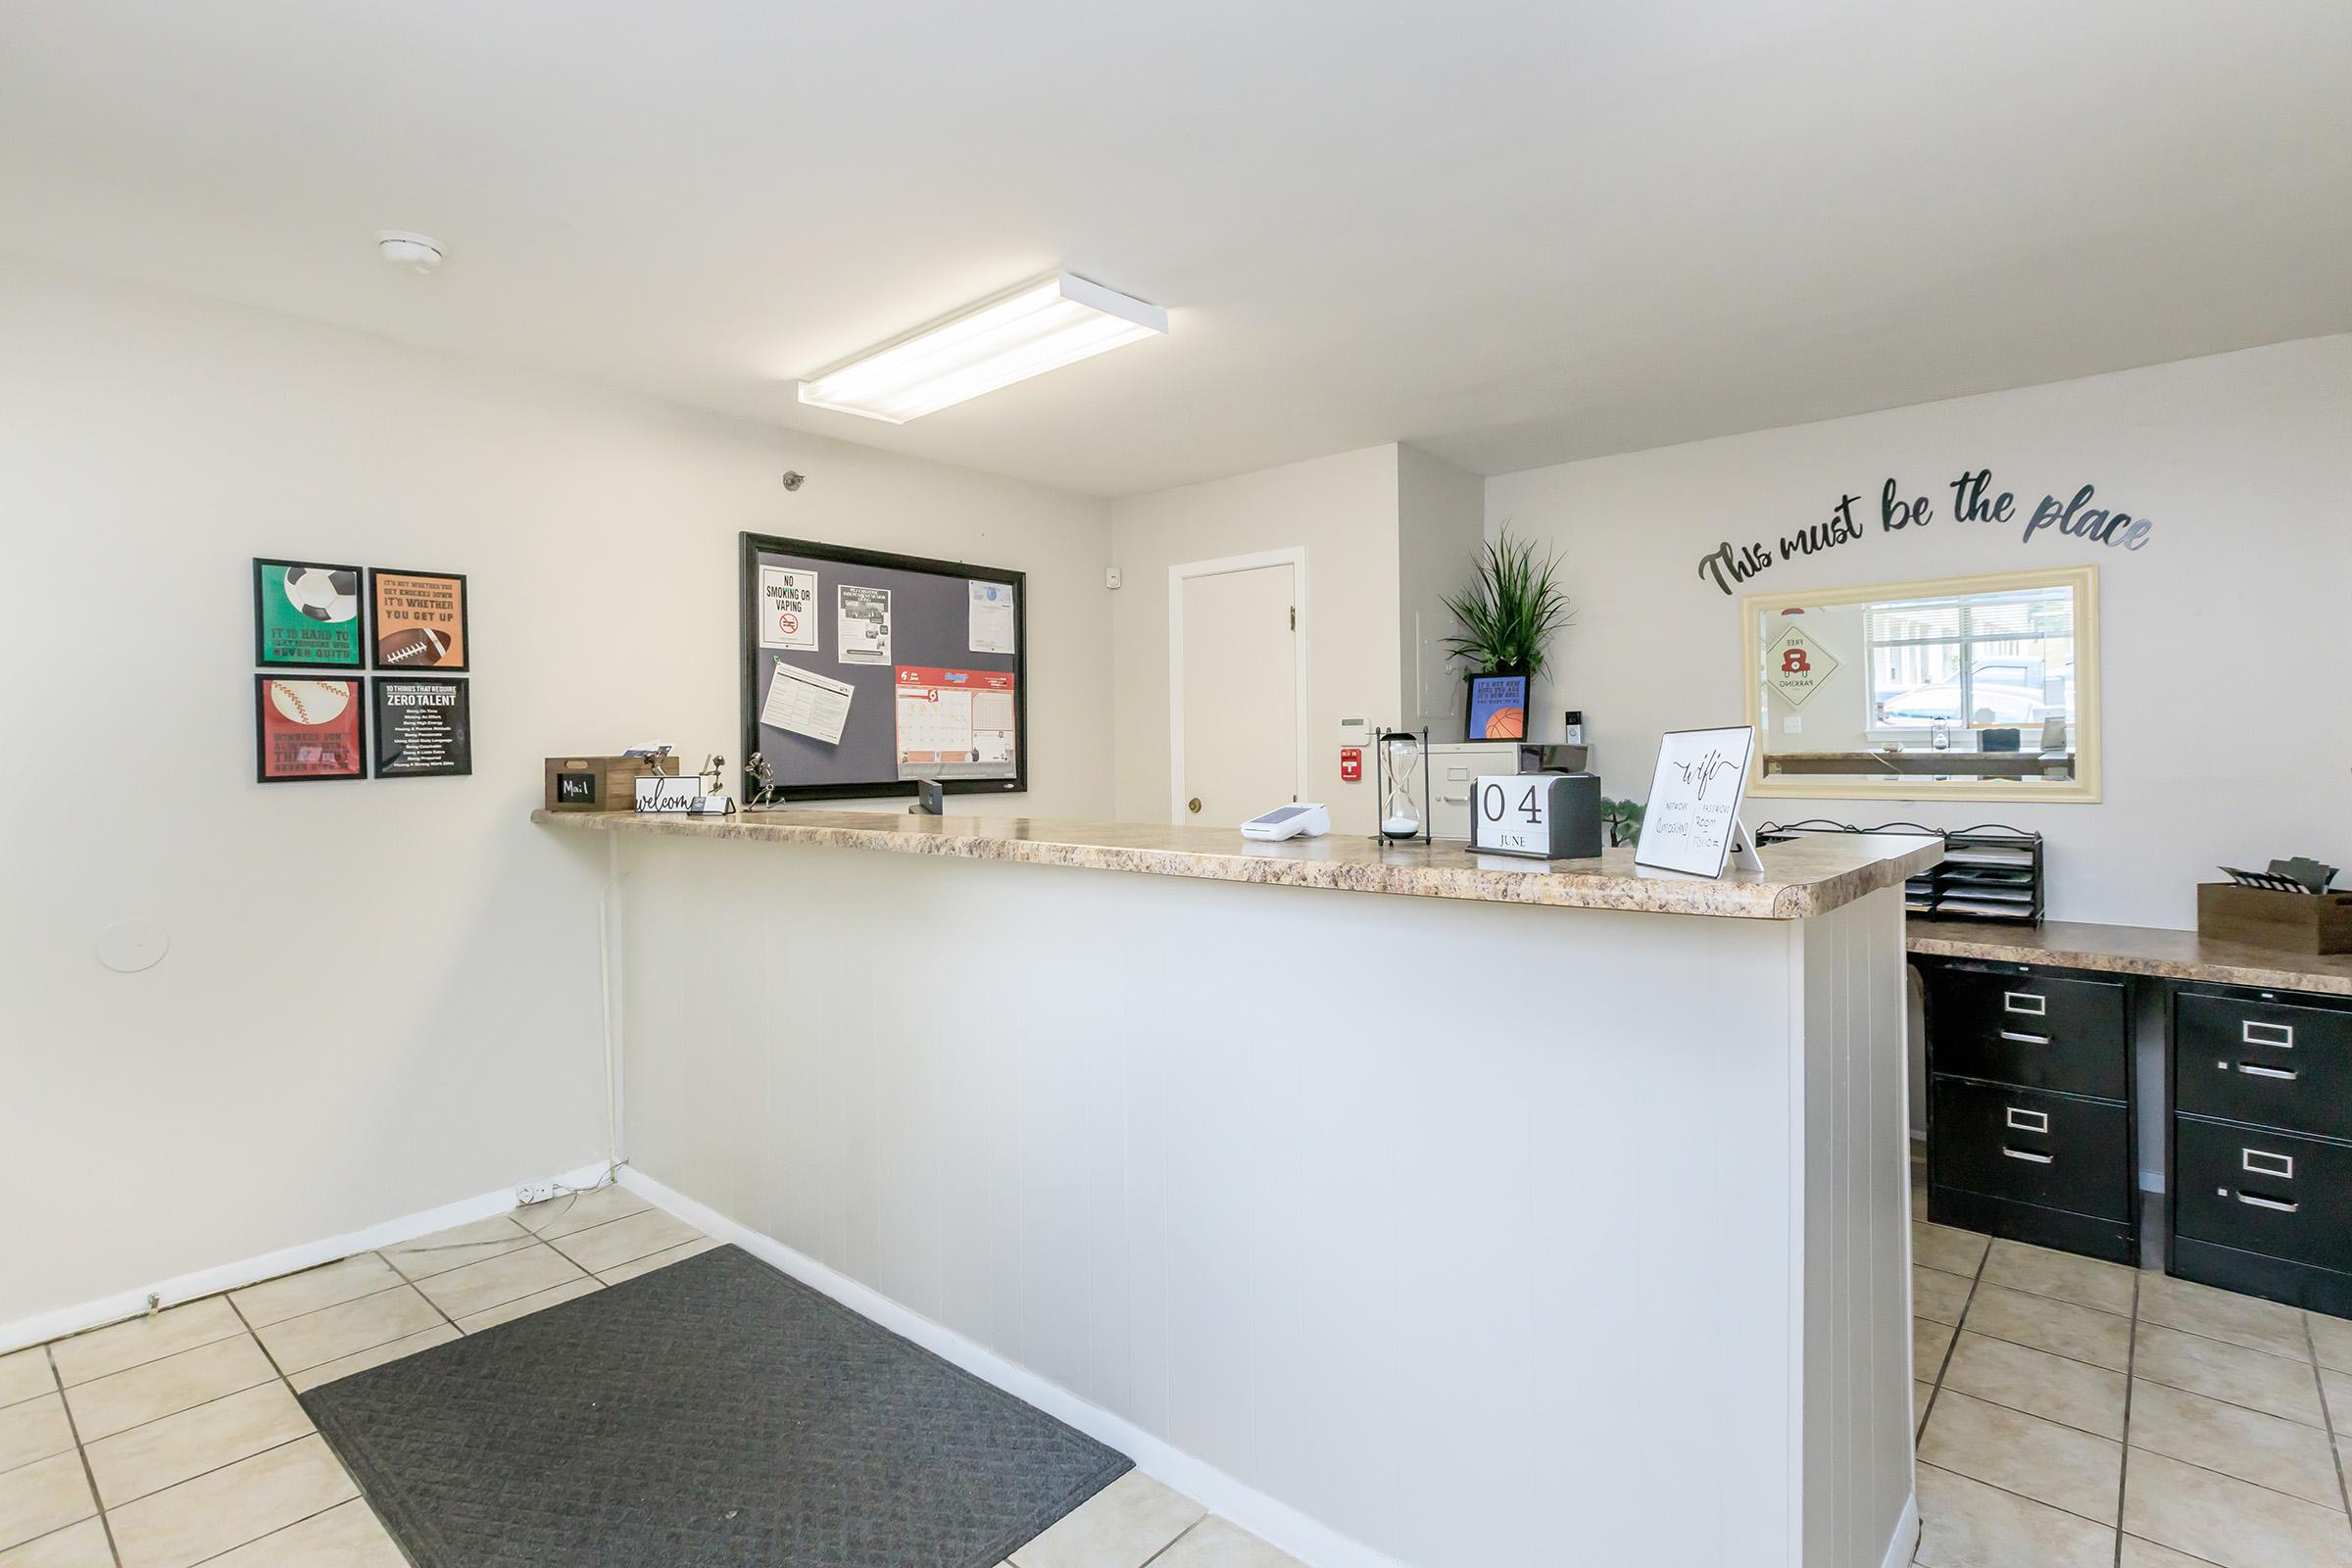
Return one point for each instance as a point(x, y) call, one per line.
point(509, 1311)
point(1941, 1246)
point(2231, 1373)
point(479, 1287)
point(26, 1375)
point(82, 1545)
point(2138, 1553)
point(2337, 1386)
point(1929, 1341)
point(1214, 1544)
point(201, 1519)
point(443, 1250)
point(1921, 1393)
point(334, 1332)
point(2284, 1456)
point(2083, 1281)
point(310, 1378)
point(562, 1216)
point(2078, 1333)
point(2245, 1320)
point(107, 1351)
point(2025, 1454)
point(624, 1241)
point(346, 1536)
point(663, 1260)
point(329, 1284)
point(33, 1429)
point(158, 1388)
point(1967, 1524)
point(2229, 1521)
point(1122, 1525)
point(1938, 1296)
point(163, 1453)
point(2330, 1337)
point(43, 1496)
point(2073, 1394)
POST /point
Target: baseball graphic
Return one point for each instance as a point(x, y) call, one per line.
point(312, 704)
point(412, 645)
point(323, 595)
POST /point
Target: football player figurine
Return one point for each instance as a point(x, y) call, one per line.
point(762, 780)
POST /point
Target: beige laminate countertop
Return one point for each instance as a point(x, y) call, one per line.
point(1808, 876)
point(2132, 949)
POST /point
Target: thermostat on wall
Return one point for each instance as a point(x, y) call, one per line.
point(1355, 732)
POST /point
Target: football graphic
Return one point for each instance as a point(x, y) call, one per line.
point(412, 645)
point(312, 704)
point(323, 595)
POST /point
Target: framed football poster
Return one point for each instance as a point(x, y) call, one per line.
point(307, 729)
point(418, 619)
point(423, 726)
point(305, 612)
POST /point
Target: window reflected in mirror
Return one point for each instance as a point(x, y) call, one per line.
point(1984, 687)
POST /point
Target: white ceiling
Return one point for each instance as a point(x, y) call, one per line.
point(1513, 233)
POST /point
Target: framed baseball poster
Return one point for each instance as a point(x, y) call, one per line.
point(417, 618)
point(307, 729)
point(305, 612)
point(423, 726)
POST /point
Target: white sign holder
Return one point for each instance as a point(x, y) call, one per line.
point(1692, 823)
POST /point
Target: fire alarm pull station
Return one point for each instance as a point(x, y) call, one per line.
point(1352, 765)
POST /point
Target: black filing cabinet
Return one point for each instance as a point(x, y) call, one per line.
point(2031, 1128)
point(2261, 1188)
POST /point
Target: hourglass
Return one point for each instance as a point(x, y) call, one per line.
point(1403, 785)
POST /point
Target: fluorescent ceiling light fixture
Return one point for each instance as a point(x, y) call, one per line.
point(1036, 328)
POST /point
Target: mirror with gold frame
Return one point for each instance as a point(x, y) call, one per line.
point(1975, 688)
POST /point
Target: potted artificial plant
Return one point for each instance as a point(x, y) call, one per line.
point(1508, 614)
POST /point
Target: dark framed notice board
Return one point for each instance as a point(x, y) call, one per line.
point(866, 672)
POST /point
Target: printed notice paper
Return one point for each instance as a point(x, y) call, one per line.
point(955, 723)
point(1694, 812)
point(806, 704)
point(991, 617)
point(786, 609)
point(865, 624)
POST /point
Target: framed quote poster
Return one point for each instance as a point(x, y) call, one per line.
point(424, 727)
point(305, 612)
point(418, 618)
point(307, 729)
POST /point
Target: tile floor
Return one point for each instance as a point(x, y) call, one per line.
point(175, 1440)
point(2078, 1414)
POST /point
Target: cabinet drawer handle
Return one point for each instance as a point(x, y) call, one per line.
point(2267, 1202)
point(2015, 1037)
point(2027, 1121)
point(2281, 1035)
point(2028, 1155)
point(2264, 1164)
point(2016, 1002)
point(2253, 1071)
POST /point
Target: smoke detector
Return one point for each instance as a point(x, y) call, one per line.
point(420, 253)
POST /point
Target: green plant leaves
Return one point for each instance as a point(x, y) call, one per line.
point(1511, 612)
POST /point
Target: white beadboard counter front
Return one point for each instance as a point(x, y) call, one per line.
point(1432, 1225)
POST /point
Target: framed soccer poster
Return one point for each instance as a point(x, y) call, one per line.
point(307, 729)
point(417, 618)
point(423, 726)
point(305, 612)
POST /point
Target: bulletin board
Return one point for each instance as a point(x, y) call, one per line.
point(866, 672)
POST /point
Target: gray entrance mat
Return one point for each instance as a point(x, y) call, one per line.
point(714, 1413)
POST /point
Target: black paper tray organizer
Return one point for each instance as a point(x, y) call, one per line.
point(1988, 872)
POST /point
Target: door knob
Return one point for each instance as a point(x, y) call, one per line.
point(1192, 804)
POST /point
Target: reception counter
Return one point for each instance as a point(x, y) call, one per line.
point(1406, 1205)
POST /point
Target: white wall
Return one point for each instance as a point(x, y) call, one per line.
point(1343, 509)
point(2226, 655)
point(380, 997)
point(1439, 511)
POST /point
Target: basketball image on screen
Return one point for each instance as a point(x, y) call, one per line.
point(1497, 708)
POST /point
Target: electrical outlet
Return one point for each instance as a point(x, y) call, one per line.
point(528, 1193)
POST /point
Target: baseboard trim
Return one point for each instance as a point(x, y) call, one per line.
point(1905, 1545)
point(64, 1320)
point(1295, 1533)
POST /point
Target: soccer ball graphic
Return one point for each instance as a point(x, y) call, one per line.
point(323, 595)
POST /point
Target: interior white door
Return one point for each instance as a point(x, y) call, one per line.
point(1240, 695)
